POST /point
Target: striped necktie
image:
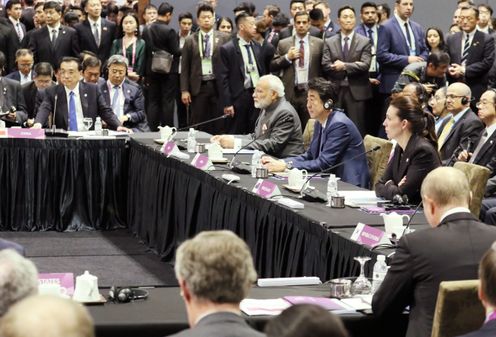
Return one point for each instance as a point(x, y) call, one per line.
point(466, 48)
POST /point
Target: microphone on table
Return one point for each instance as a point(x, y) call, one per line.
point(310, 193)
point(204, 122)
point(53, 132)
point(457, 150)
point(238, 166)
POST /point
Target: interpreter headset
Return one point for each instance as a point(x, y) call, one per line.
point(126, 294)
point(329, 104)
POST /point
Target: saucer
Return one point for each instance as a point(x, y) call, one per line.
point(101, 300)
point(219, 160)
point(159, 141)
point(294, 189)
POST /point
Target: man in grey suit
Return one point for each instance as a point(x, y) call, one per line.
point(278, 129)
point(346, 62)
point(215, 272)
point(198, 59)
point(298, 59)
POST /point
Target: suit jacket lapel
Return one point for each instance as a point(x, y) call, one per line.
point(240, 56)
point(83, 97)
point(353, 46)
point(91, 36)
point(405, 159)
point(62, 109)
point(337, 46)
point(487, 145)
point(458, 48)
point(400, 33)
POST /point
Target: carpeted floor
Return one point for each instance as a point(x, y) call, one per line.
point(116, 257)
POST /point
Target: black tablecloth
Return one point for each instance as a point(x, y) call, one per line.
point(163, 313)
point(62, 184)
point(170, 201)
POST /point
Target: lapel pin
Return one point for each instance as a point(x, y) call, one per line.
point(407, 160)
point(128, 91)
point(85, 95)
point(104, 28)
point(63, 32)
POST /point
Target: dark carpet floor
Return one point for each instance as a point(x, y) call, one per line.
point(116, 257)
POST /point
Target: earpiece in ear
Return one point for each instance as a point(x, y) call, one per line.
point(328, 105)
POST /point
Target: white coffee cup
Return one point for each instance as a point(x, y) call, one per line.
point(393, 223)
point(296, 178)
point(237, 144)
point(167, 132)
point(52, 289)
point(215, 151)
point(86, 289)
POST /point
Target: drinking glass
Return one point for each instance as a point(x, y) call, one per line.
point(362, 285)
point(88, 122)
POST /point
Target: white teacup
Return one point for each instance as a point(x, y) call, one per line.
point(296, 178)
point(86, 289)
point(52, 289)
point(393, 223)
point(215, 151)
point(167, 132)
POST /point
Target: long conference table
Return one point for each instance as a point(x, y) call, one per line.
point(74, 184)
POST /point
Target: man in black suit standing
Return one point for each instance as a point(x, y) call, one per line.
point(463, 128)
point(199, 56)
point(237, 74)
point(161, 87)
point(72, 101)
point(14, 11)
point(471, 53)
point(296, 6)
point(27, 14)
point(95, 34)
point(346, 61)
point(11, 99)
point(450, 250)
point(54, 41)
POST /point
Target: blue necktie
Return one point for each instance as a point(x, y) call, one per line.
point(248, 51)
point(115, 101)
point(72, 113)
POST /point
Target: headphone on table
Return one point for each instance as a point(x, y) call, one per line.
point(126, 294)
point(329, 104)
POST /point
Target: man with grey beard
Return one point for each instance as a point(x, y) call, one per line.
point(278, 128)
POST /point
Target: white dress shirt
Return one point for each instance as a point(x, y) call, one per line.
point(79, 107)
point(122, 99)
point(413, 47)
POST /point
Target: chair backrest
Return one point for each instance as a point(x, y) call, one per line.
point(477, 178)
point(308, 133)
point(458, 309)
point(377, 160)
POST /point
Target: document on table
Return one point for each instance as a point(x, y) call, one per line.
point(360, 197)
point(362, 302)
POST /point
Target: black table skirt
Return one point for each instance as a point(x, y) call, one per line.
point(170, 201)
point(62, 184)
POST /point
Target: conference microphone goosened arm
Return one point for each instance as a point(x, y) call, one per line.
point(54, 126)
point(203, 123)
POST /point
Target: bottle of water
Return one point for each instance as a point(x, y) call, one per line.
point(332, 188)
point(255, 162)
point(191, 140)
point(379, 273)
point(98, 126)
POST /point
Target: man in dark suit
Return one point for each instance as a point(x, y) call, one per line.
point(240, 67)
point(198, 83)
point(278, 130)
point(72, 101)
point(346, 62)
point(330, 28)
point(370, 28)
point(42, 80)
point(335, 140)
point(472, 54)
point(215, 272)
point(13, 9)
point(54, 41)
point(401, 41)
point(463, 129)
point(296, 6)
point(27, 15)
point(450, 250)
point(11, 99)
point(9, 44)
point(162, 88)
point(298, 59)
point(95, 34)
point(24, 62)
point(125, 97)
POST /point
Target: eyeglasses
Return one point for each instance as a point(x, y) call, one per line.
point(454, 96)
point(483, 102)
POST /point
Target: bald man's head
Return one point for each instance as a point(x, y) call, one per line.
point(45, 315)
point(446, 187)
point(458, 97)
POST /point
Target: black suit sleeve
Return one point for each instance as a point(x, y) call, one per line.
point(46, 107)
point(397, 290)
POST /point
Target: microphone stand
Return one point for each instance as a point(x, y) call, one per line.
point(204, 122)
point(53, 131)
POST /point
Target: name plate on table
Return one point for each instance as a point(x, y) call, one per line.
point(65, 280)
point(266, 189)
point(202, 162)
point(26, 133)
point(367, 235)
